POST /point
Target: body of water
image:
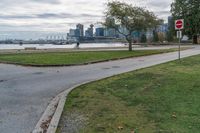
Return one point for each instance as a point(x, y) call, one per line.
point(51, 46)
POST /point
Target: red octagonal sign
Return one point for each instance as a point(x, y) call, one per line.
point(179, 24)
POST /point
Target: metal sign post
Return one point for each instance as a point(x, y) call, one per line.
point(179, 46)
point(179, 25)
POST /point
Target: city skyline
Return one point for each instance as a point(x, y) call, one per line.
point(47, 16)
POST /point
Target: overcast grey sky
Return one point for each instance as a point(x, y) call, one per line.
point(60, 15)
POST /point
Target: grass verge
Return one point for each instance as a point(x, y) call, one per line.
point(159, 99)
point(73, 58)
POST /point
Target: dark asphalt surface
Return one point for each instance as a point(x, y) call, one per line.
point(26, 91)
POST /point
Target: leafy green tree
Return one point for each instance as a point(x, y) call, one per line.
point(129, 17)
point(189, 10)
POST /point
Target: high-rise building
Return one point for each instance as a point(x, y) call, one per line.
point(100, 32)
point(77, 33)
point(90, 31)
point(170, 22)
point(110, 32)
point(80, 27)
point(162, 28)
point(72, 32)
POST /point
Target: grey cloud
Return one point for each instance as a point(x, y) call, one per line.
point(4, 4)
point(49, 15)
point(66, 15)
point(162, 12)
point(158, 4)
point(31, 27)
point(47, 1)
point(15, 17)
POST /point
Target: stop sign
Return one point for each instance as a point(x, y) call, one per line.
point(179, 24)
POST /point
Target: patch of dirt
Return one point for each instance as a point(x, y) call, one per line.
point(45, 124)
point(72, 123)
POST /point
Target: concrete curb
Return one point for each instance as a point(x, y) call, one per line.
point(43, 123)
point(56, 117)
point(49, 121)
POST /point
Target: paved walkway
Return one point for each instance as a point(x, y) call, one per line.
point(26, 91)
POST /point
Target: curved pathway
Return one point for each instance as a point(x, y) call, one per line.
point(26, 91)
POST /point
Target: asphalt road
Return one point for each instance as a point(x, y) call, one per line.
point(26, 91)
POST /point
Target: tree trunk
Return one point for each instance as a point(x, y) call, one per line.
point(195, 39)
point(130, 48)
point(130, 41)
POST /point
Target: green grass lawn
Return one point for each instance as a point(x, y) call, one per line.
point(159, 99)
point(70, 58)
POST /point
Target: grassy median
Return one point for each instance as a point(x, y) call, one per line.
point(73, 58)
point(160, 99)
